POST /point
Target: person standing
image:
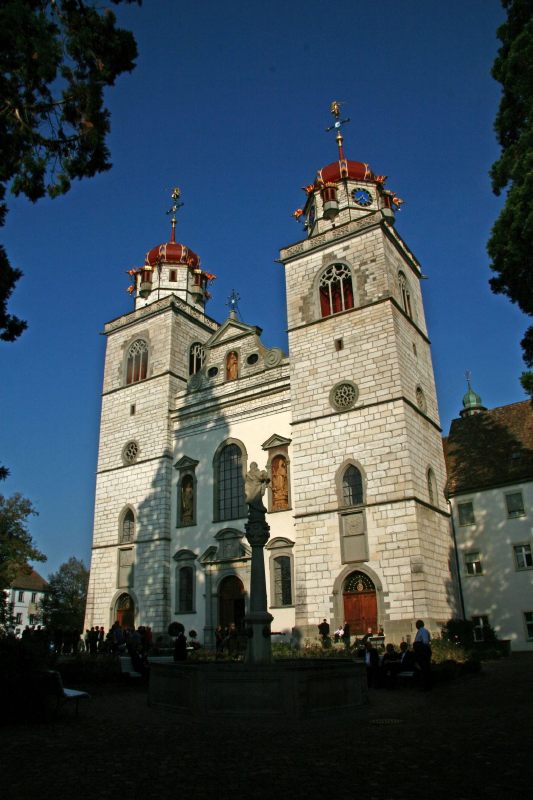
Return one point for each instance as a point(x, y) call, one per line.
point(346, 633)
point(323, 630)
point(422, 653)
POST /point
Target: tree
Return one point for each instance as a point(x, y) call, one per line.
point(56, 58)
point(16, 544)
point(64, 605)
point(511, 242)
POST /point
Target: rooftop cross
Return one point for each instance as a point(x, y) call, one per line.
point(176, 194)
point(335, 109)
point(233, 299)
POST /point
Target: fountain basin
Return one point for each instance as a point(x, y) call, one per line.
point(294, 688)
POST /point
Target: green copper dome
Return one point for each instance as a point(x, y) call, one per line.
point(472, 403)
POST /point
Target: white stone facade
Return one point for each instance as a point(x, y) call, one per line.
point(188, 557)
point(495, 563)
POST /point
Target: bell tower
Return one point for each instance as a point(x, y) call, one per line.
point(151, 353)
point(369, 471)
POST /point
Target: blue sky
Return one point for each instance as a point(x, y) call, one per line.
point(230, 102)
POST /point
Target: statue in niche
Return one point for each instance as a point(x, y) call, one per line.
point(187, 501)
point(280, 484)
point(255, 485)
point(232, 366)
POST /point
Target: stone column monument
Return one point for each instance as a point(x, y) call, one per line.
point(258, 620)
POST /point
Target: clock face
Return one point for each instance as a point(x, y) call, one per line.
point(362, 197)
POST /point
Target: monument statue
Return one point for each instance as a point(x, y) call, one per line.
point(255, 485)
point(187, 501)
point(232, 366)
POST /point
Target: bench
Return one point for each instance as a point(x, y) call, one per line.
point(53, 685)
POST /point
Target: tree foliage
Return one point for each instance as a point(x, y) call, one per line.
point(56, 59)
point(64, 605)
point(511, 242)
point(16, 544)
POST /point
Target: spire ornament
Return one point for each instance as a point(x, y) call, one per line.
point(232, 301)
point(176, 194)
point(335, 109)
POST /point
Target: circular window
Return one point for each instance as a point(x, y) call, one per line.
point(130, 453)
point(344, 396)
point(253, 359)
point(212, 372)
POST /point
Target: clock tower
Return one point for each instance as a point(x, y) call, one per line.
point(372, 528)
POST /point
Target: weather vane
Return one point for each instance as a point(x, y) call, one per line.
point(176, 194)
point(232, 301)
point(335, 109)
point(468, 376)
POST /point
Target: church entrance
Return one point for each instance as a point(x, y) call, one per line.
point(360, 603)
point(125, 611)
point(231, 602)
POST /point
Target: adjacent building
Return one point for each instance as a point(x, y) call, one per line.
point(489, 457)
point(25, 594)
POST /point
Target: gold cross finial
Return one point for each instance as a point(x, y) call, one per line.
point(335, 109)
point(176, 194)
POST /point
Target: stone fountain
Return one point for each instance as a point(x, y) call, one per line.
point(260, 687)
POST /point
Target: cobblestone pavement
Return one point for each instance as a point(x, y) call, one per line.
point(466, 739)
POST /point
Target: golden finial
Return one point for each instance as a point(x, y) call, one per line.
point(335, 109)
point(176, 194)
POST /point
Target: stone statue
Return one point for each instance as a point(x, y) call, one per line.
point(280, 484)
point(232, 366)
point(255, 485)
point(187, 501)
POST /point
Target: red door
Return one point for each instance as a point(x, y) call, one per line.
point(361, 611)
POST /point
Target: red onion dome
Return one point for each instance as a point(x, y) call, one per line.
point(343, 168)
point(172, 253)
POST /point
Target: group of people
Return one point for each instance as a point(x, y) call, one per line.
point(384, 671)
point(227, 640)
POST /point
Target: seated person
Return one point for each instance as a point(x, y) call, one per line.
point(407, 658)
point(389, 666)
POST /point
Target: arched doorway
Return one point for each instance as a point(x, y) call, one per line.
point(125, 611)
point(360, 603)
point(231, 602)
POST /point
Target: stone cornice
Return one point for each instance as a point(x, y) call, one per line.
point(356, 226)
point(160, 306)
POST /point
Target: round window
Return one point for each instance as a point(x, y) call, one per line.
point(212, 372)
point(344, 396)
point(130, 453)
point(252, 359)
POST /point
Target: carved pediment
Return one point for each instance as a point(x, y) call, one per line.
point(186, 463)
point(230, 330)
point(276, 441)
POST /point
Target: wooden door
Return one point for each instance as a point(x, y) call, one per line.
point(361, 611)
point(231, 602)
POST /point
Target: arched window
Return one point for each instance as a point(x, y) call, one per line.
point(185, 590)
point(432, 487)
point(405, 294)
point(335, 290)
point(352, 487)
point(196, 357)
point(282, 581)
point(229, 483)
point(137, 366)
point(185, 582)
point(281, 568)
point(127, 528)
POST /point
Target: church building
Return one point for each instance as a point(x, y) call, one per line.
point(346, 424)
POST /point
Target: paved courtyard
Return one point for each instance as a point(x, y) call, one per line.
point(467, 739)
